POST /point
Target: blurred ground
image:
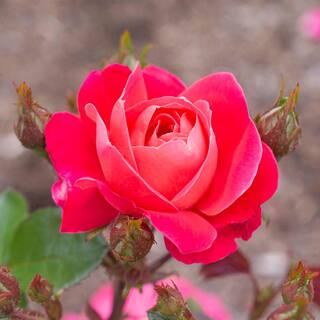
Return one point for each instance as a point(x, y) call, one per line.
point(53, 44)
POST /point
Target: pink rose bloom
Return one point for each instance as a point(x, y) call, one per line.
point(310, 24)
point(138, 303)
point(189, 159)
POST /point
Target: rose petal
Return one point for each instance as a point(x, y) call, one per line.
point(160, 82)
point(71, 151)
point(120, 203)
point(120, 176)
point(102, 88)
point(263, 187)
point(222, 246)
point(237, 139)
point(176, 160)
point(135, 89)
point(199, 184)
point(118, 133)
point(85, 210)
point(234, 173)
point(186, 229)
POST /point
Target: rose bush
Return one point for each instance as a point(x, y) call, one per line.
point(190, 159)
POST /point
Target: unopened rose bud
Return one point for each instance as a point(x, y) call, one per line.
point(170, 304)
point(299, 285)
point(293, 311)
point(130, 239)
point(32, 119)
point(10, 283)
point(7, 303)
point(40, 289)
point(279, 127)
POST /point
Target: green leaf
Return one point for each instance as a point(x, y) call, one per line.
point(13, 210)
point(39, 247)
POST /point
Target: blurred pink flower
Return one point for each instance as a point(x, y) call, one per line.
point(310, 24)
point(138, 303)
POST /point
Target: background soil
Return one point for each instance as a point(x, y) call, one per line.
point(53, 44)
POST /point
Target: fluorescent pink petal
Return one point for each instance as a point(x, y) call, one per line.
point(235, 172)
point(237, 139)
point(120, 176)
point(118, 133)
point(71, 151)
point(310, 24)
point(74, 316)
point(187, 230)
point(103, 89)
point(160, 82)
point(135, 89)
point(265, 183)
point(263, 187)
point(245, 230)
point(85, 210)
point(59, 191)
point(222, 246)
point(139, 302)
point(177, 161)
point(102, 301)
point(120, 203)
point(136, 306)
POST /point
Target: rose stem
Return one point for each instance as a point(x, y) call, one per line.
point(118, 300)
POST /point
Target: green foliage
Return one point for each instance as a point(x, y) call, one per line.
point(39, 247)
point(31, 244)
point(13, 210)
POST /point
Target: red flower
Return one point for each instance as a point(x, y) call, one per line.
point(189, 159)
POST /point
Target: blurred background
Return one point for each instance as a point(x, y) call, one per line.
point(53, 44)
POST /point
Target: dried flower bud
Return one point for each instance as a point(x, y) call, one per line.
point(299, 285)
point(40, 289)
point(279, 127)
point(31, 120)
point(7, 303)
point(131, 239)
point(170, 304)
point(9, 282)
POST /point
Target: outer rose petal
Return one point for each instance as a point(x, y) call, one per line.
point(135, 89)
point(237, 139)
point(103, 89)
point(222, 246)
point(160, 82)
point(187, 230)
point(246, 229)
point(263, 187)
point(85, 210)
point(71, 151)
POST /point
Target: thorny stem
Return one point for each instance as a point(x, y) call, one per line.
point(118, 300)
